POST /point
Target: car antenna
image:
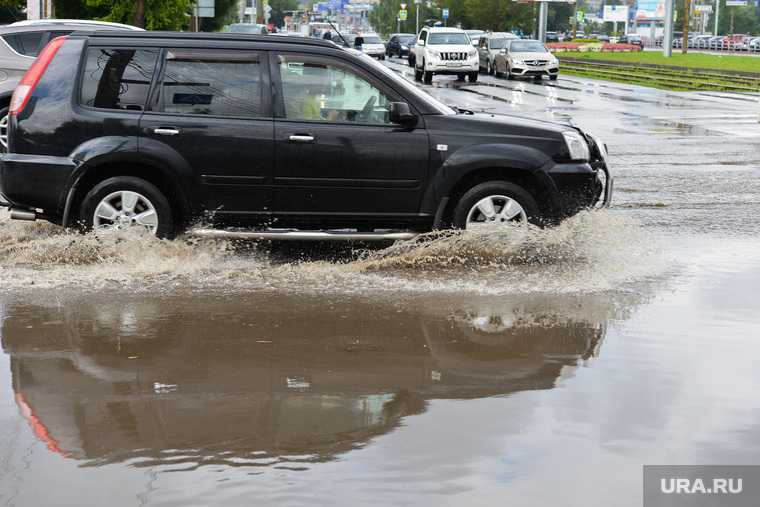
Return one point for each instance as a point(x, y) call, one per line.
point(340, 34)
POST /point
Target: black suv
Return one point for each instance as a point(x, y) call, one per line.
point(280, 137)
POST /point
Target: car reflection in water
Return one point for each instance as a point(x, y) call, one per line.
point(280, 381)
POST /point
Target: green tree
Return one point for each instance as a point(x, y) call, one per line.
point(150, 14)
point(225, 12)
point(12, 10)
point(277, 16)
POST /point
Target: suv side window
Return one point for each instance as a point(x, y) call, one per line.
point(211, 82)
point(25, 43)
point(321, 89)
point(423, 36)
point(117, 78)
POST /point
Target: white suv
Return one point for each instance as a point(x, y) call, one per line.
point(445, 51)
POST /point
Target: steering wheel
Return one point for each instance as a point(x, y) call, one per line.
point(367, 109)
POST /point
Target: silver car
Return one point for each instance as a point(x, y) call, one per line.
point(526, 58)
point(19, 45)
point(490, 45)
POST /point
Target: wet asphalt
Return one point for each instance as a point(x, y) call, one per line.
point(543, 369)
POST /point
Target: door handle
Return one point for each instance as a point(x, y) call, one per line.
point(166, 131)
point(300, 138)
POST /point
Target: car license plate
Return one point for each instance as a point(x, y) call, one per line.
point(453, 64)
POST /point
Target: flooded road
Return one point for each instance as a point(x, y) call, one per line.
point(538, 367)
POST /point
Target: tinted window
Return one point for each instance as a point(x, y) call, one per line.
point(208, 82)
point(423, 36)
point(320, 90)
point(117, 78)
point(449, 38)
point(25, 43)
point(527, 47)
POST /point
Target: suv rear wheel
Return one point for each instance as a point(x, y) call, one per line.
point(124, 202)
point(4, 130)
point(494, 202)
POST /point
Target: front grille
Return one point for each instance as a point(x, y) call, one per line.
point(536, 63)
point(453, 56)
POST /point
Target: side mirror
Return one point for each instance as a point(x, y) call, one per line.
point(399, 113)
point(420, 42)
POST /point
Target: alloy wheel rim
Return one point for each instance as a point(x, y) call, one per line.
point(495, 209)
point(4, 133)
point(124, 210)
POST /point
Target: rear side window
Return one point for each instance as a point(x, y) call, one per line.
point(212, 83)
point(118, 78)
point(27, 44)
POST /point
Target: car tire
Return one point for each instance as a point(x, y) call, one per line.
point(427, 77)
point(491, 71)
point(494, 188)
point(165, 227)
point(472, 77)
point(412, 61)
point(554, 77)
point(509, 74)
point(460, 77)
point(417, 75)
point(4, 130)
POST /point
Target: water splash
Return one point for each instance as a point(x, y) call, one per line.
point(593, 251)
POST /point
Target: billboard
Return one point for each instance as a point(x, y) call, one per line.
point(615, 13)
point(650, 9)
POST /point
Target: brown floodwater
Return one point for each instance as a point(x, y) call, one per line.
point(520, 367)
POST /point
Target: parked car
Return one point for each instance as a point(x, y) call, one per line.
point(491, 44)
point(338, 141)
point(19, 45)
point(632, 38)
point(92, 24)
point(552, 37)
point(254, 28)
point(399, 44)
point(370, 44)
point(474, 36)
point(526, 58)
point(441, 50)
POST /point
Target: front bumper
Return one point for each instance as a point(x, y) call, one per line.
point(448, 67)
point(529, 70)
point(374, 52)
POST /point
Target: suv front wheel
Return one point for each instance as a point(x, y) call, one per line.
point(494, 202)
point(125, 202)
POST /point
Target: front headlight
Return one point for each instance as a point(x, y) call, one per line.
point(434, 54)
point(404, 47)
point(576, 145)
point(472, 52)
point(517, 61)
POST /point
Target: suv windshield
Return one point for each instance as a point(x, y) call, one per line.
point(498, 43)
point(448, 38)
point(527, 47)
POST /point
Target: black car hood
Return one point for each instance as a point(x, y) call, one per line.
point(504, 124)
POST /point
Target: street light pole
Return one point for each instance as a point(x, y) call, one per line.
point(667, 39)
point(543, 13)
point(717, 13)
point(417, 4)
